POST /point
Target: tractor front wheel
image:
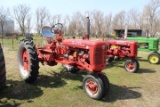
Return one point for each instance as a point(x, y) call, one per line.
point(93, 86)
point(28, 61)
point(131, 65)
point(2, 69)
point(154, 58)
point(106, 83)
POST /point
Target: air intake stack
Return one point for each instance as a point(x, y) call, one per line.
point(86, 36)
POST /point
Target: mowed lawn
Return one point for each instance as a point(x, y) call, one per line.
point(57, 88)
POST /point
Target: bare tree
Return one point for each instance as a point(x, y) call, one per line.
point(72, 27)
point(133, 17)
point(108, 24)
point(122, 19)
point(41, 18)
point(98, 22)
point(151, 11)
point(119, 20)
point(76, 25)
point(140, 21)
point(28, 25)
point(156, 25)
point(3, 16)
point(66, 21)
point(78, 18)
point(21, 13)
point(54, 19)
point(38, 21)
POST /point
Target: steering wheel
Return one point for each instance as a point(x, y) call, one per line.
point(57, 27)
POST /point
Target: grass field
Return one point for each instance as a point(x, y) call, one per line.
point(57, 88)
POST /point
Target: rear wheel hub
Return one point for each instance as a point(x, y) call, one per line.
point(153, 59)
point(25, 60)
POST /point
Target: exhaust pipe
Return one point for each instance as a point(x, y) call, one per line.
point(86, 36)
point(126, 32)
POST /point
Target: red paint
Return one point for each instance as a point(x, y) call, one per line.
point(92, 86)
point(25, 59)
point(130, 66)
point(84, 54)
point(122, 48)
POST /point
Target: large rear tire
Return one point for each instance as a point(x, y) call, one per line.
point(28, 61)
point(2, 69)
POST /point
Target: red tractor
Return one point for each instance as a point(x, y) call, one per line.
point(124, 49)
point(74, 54)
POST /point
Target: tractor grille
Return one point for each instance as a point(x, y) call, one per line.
point(98, 55)
point(155, 44)
point(135, 49)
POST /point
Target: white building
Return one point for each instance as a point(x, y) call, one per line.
point(8, 26)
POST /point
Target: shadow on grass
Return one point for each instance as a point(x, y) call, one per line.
point(56, 79)
point(122, 61)
point(143, 60)
point(121, 93)
point(114, 63)
point(49, 81)
point(116, 92)
point(143, 70)
point(75, 76)
point(24, 93)
point(18, 90)
point(139, 57)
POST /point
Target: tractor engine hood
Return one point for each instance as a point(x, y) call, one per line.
point(121, 42)
point(79, 43)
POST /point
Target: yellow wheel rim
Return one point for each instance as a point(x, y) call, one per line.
point(153, 59)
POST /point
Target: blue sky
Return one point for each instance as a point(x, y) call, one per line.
point(65, 7)
point(68, 7)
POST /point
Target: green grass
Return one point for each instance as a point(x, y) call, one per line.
point(57, 88)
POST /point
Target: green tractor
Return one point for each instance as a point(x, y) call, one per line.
point(148, 45)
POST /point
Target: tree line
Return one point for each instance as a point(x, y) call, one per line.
point(101, 24)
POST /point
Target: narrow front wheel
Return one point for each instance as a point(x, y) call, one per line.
point(93, 86)
point(106, 84)
point(131, 66)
